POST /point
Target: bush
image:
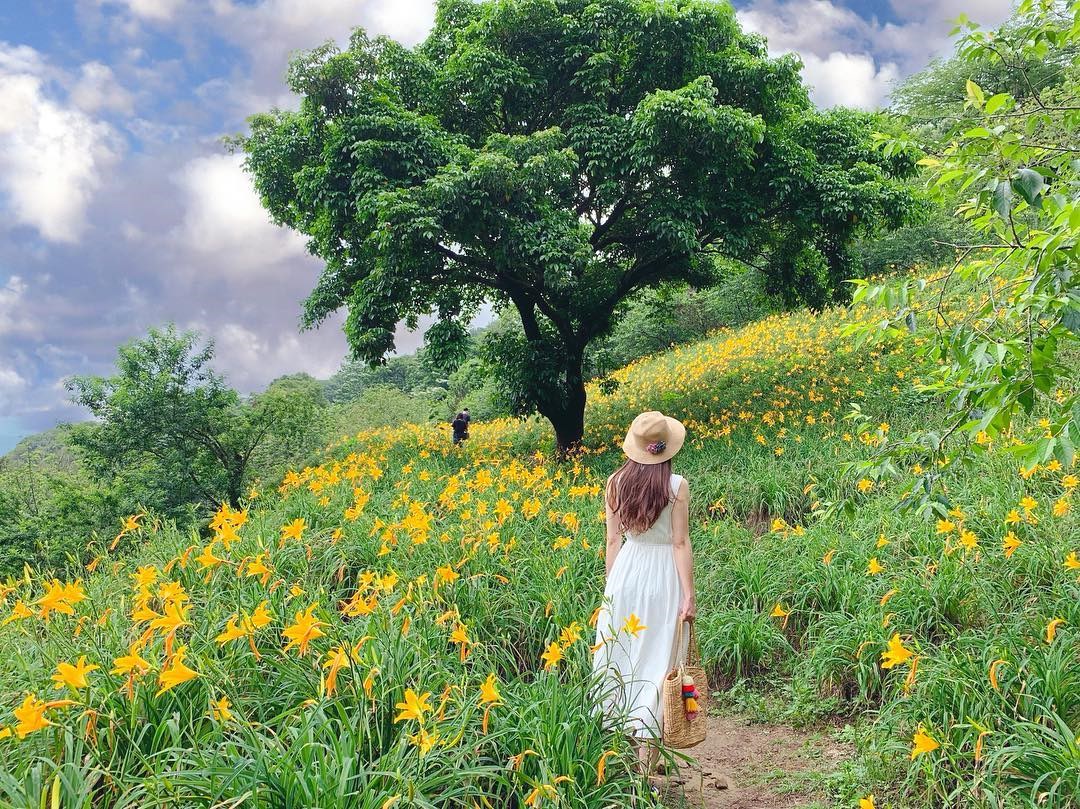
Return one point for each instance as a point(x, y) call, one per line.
point(659, 318)
point(379, 406)
point(928, 244)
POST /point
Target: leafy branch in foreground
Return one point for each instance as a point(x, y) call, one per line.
point(1006, 315)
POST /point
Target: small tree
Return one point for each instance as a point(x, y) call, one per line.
point(298, 406)
point(1012, 160)
point(556, 156)
point(166, 403)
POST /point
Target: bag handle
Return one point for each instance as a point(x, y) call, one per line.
point(693, 653)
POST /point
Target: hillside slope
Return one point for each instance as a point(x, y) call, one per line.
point(409, 625)
point(45, 452)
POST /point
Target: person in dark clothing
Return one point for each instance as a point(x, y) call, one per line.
point(460, 425)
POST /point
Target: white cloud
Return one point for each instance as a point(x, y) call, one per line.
point(923, 34)
point(154, 10)
point(406, 20)
point(848, 79)
point(237, 347)
point(12, 303)
point(853, 60)
point(224, 219)
point(985, 12)
point(270, 31)
point(10, 381)
point(12, 385)
point(280, 26)
point(832, 42)
point(98, 89)
point(251, 360)
point(51, 155)
point(20, 59)
point(805, 26)
point(131, 232)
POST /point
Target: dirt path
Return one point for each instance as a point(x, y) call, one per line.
point(752, 766)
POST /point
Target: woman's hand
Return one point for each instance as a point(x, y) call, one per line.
point(688, 610)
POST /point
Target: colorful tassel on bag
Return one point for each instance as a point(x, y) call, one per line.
point(690, 696)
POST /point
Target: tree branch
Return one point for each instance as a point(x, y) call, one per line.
point(621, 206)
point(528, 316)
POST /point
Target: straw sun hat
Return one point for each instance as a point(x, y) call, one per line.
point(653, 438)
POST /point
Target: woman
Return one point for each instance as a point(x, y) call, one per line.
point(650, 576)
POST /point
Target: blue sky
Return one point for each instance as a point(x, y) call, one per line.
point(121, 210)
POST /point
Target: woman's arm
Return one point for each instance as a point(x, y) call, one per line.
point(684, 557)
point(614, 534)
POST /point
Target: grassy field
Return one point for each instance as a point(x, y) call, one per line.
point(409, 625)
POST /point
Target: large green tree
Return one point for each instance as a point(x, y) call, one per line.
point(556, 156)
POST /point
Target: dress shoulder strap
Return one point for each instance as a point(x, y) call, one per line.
point(676, 482)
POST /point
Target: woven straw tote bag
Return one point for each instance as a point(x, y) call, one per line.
point(680, 730)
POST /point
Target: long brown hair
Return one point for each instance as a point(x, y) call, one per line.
point(638, 493)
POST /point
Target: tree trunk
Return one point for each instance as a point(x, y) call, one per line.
point(569, 419)
point(569, 431)
point(566, 412)
point(236, 481)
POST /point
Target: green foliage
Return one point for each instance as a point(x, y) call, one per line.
point(50, 508)
point(656, 319)
point(934, 99)
point(1014, 158)
point(930, 243)
point(173, 439)
point(379, 406)
point(167, 410)
point(530, 372)
point(14, 540)
point(473, 385)
point(301, 425)
point(47, 518)
point(48, 451)
point(556, 157)
point(165, 404)
point(407, 373)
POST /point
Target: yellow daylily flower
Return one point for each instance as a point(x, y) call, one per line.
point(414, 706)
point(73, 676)
point(922, 742)
point(1051, 628)
point(632, 625)
point(175, 673)
point(304, 629)
point(552, 656)
point(896, 653)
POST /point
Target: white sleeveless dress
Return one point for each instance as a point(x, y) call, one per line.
point(631, 669)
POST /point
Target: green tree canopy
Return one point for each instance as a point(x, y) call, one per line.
point(406, 373)
point(556, 156)
point(298, 407)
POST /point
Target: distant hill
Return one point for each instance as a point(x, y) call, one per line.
point(45, 452)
